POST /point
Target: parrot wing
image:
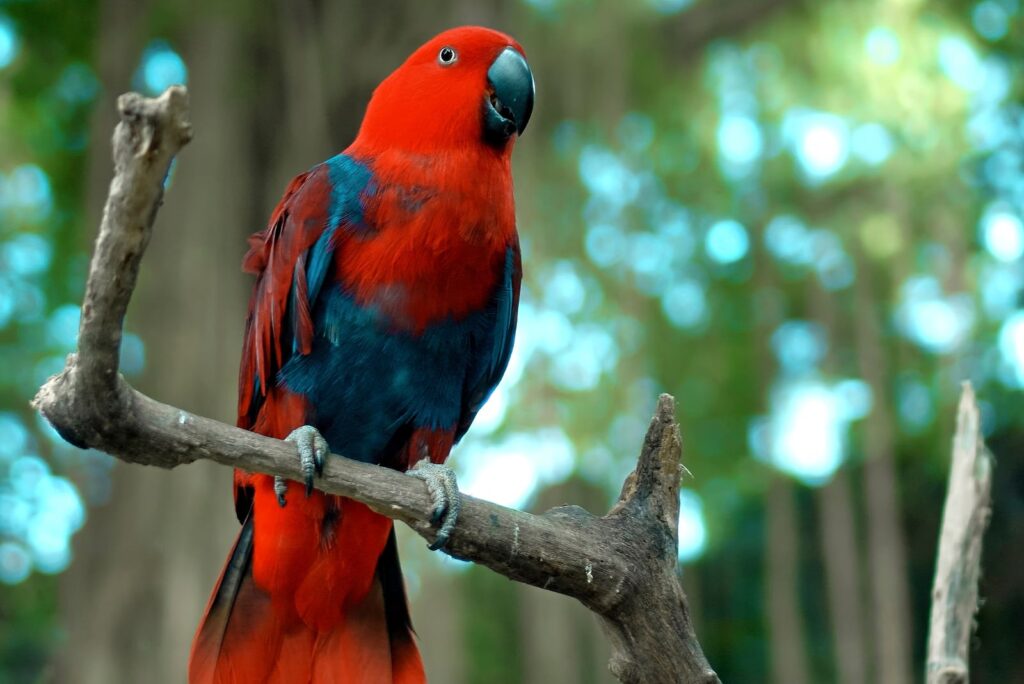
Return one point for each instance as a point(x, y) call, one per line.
point(491, 358)
point(291, 259)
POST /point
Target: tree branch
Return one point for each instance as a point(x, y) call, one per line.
point(622, 566)
point(958, 566)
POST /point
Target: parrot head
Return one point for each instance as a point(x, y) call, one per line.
point(467, 86)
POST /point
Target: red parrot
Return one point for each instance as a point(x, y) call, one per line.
point(382, 317)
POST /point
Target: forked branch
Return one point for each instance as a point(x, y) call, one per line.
point(622, 566)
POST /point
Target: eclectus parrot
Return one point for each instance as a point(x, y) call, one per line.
point(382, 317)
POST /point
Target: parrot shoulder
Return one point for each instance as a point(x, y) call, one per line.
point(291, 259)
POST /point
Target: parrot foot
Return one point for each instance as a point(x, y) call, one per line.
point(445, 495)
point(280, 489)
point(313, 449)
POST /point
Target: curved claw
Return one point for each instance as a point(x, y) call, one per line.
point(280, 489)
point(313, 450)
point(445, 495)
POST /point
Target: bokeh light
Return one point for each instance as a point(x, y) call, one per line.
point(1002, 233)
point(855, 399)
point(77, 84)
point(685, 304)
point(62, 328)
point(651, 260)
point(936, 322)
point(1011, 345)
point(592, 353)
point(27, 193)
point(820, 142)
point(727, 241)
point(871, 143)
point(882, 45)
point(26, 254)
point(13, 436)
point(606, 176)
point(509, 472)
point(799, 346)
point(605, 244)
point(991, 19)
point(161, 68)
point(740, 140)
point(670, 6)
point(789, 240)
point(635, 132)
point(8, 42)
point(133, 354)
point(39, 511)
point(15, 563)
point(564, 289)
point(831, 262)
point(693, 533)
point(914, 405)
point(807, 429)
point(1001, 287)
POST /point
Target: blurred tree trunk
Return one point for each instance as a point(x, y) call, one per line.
point(560, 640)
point(890, 593)
point(438, 614)
point(842, 578)
point(842, 558)
point(789, 663)
point(146, 562)
point(787, 641)
point(492, 647)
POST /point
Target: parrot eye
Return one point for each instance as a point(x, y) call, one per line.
point(447, 56)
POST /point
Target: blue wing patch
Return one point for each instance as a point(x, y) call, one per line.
point(493, 357)
point(368, 381)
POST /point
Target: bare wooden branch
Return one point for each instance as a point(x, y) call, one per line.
point(622, 566)
point(958, 566)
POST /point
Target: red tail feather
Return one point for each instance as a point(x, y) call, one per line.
point(246, 636)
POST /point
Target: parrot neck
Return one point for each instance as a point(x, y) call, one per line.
point(443, 225)
point(452, 160)
point(475, 181)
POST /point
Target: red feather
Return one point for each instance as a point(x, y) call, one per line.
point(274, 255)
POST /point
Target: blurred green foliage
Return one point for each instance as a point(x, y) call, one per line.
point(48, 90)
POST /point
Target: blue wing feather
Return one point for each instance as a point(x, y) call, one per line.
point(365, 380)
point(493, 356)
point(291, 260)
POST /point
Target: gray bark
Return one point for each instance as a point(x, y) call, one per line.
point(958, 566)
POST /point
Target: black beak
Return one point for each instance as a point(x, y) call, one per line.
point(509, 101)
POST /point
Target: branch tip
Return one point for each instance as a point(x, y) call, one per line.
point(155, 125)
point(652, 489)
point(965, 516)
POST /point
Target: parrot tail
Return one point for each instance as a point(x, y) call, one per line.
point(244, 637)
